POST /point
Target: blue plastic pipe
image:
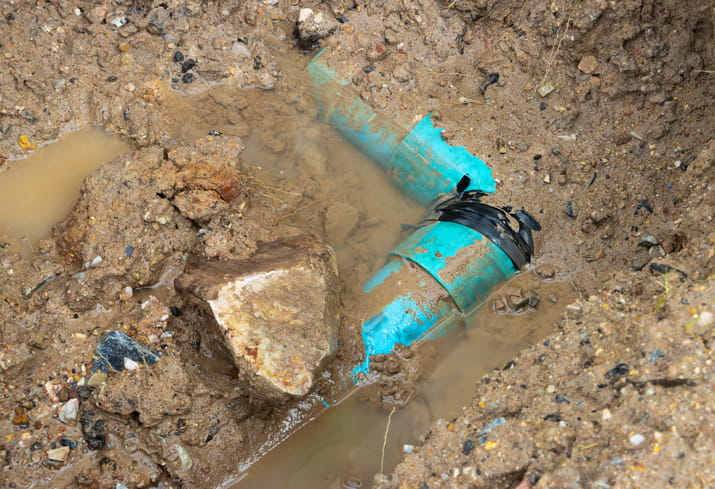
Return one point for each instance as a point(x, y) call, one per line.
point(418, 161)
point(443, 269)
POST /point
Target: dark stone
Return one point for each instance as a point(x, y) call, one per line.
point(83, 392)
point(68, 442)
point(570, 211)
point(93, 429)
point(112, 79)
point(618, 371)
point(178, 57)
point(490, 80)
point(468, 447)
point(187, 78)
point(116, 346)
point(556, 417)
point(187, 65)
point(369, 69)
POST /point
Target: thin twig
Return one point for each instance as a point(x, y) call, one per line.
point(384, 439)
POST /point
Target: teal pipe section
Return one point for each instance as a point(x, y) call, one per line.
point(440, 249)
point(463, 265)
point(419, 161)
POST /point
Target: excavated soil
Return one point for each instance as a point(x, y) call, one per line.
point(595, 116)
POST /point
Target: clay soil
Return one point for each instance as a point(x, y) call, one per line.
point(600, 124)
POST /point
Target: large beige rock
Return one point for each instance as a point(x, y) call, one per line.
point(276, 311)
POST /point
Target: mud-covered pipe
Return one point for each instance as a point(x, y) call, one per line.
point(418, 160)
point(449, 265)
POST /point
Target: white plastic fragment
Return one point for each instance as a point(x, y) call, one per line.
point(636, 439)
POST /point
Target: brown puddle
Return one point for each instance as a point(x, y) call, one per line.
point(40, 190)
point(343, 446)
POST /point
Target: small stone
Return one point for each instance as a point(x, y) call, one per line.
point(21, 418)
point(550, 388)
point(119, 21)
point(277, 312)
point(123, 47)
point(546, 89)
point(588, 64)
point(573, 311)
point(240, 50)
point(706, 319)
point(187, 78)
point(68, 414)
point(97, 379)
point(178, 57)
point(606, 414)
point(187, 65)
point(468, 447)
point(93, 430)
point(68, 442)
point(648, 241)
point(131, 442)
point(126, 59)
point(60, 454)
point(116, 346)
point(184, 457)
point(391, 37)
point(314, 26)
point(377, 53)
point(516, 299)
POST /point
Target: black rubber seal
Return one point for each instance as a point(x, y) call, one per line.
point(467, 209)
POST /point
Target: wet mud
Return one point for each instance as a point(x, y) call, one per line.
point(599, 123)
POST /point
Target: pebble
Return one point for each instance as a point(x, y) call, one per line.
point(93, 430)
point(573, 311)
point(131, 442)
point(391, 37)
point(58, 454)
point(606, 414)
point(116, 346)
point(468, 447)
point(187, 65)
point(588, 64)
point(21, 418)
point(184, 457)
point(240, 50)
point(68, 414)
point(706, 319)
point(119, 21)
point(97, 379)
point(187, 78)
point(546, 89)
point(648, 241)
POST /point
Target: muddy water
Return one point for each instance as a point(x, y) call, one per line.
point(40, 190)
point(343, 446)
